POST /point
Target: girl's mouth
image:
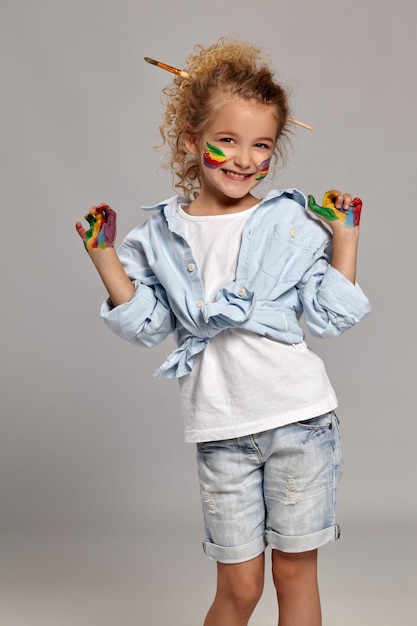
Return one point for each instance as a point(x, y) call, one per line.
point(236, 175)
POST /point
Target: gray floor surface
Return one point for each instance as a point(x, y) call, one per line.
point(121, 579)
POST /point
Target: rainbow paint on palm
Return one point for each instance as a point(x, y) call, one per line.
point(213, 157)
point(349, 217)
point(264, 167)
point(102, 231)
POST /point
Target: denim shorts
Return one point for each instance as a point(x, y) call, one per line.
point(275, 488)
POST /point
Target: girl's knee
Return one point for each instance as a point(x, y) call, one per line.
point(241, 584)
point(244, 598)
point(290, 570)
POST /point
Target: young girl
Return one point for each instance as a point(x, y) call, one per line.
point(229, 275)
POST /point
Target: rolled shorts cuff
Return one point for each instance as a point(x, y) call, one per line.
point(302, 543)
point(235, 554)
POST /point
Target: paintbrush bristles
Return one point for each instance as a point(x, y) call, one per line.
point(149, 60)
point(185, 74)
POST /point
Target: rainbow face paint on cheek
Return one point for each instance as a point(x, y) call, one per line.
point(213, 157)
point(264, 169)
point(350, 217)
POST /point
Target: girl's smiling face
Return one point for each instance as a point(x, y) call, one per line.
point(234, 153)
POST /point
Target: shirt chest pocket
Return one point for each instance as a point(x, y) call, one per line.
point(288, 252)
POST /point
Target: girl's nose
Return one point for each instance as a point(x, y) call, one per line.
point(242, 159)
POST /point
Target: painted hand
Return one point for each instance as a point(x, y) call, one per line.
point(102, 231)
point(335, 208)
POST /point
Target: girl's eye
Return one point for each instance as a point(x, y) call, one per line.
point(226, 140)
point(261, 145)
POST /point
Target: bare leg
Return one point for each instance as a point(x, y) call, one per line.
point(239, 587)
point(295, 579)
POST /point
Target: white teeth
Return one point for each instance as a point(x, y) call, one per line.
point(235, 175)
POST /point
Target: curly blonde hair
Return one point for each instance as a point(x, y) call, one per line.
point(216, 73)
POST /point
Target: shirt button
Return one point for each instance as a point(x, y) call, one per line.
point(191, 267)
point(293, 232)
point(199, 303)
point(241, 292)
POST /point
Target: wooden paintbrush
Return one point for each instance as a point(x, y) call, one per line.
point(168, 68)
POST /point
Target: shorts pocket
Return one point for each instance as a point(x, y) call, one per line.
point(316, 426)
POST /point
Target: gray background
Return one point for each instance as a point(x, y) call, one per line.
point(100, 516)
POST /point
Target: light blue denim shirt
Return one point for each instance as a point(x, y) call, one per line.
point(283, 271)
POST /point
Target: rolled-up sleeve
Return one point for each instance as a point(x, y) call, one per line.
point(146, 319)
point(331, 303)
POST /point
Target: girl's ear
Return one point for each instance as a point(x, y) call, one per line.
point(191, 143)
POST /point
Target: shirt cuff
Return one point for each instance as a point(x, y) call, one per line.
point(127, 319)
point(342, 297)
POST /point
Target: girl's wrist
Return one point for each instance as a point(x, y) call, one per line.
point(345, 234)
point(102, 257)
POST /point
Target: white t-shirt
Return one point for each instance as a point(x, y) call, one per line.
point(243, 383)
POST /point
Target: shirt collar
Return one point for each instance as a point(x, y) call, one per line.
point(169, 206)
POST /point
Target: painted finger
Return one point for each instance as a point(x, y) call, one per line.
point(330, 198)
point(356, 206)
point(327, 212)
point(107, 234)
